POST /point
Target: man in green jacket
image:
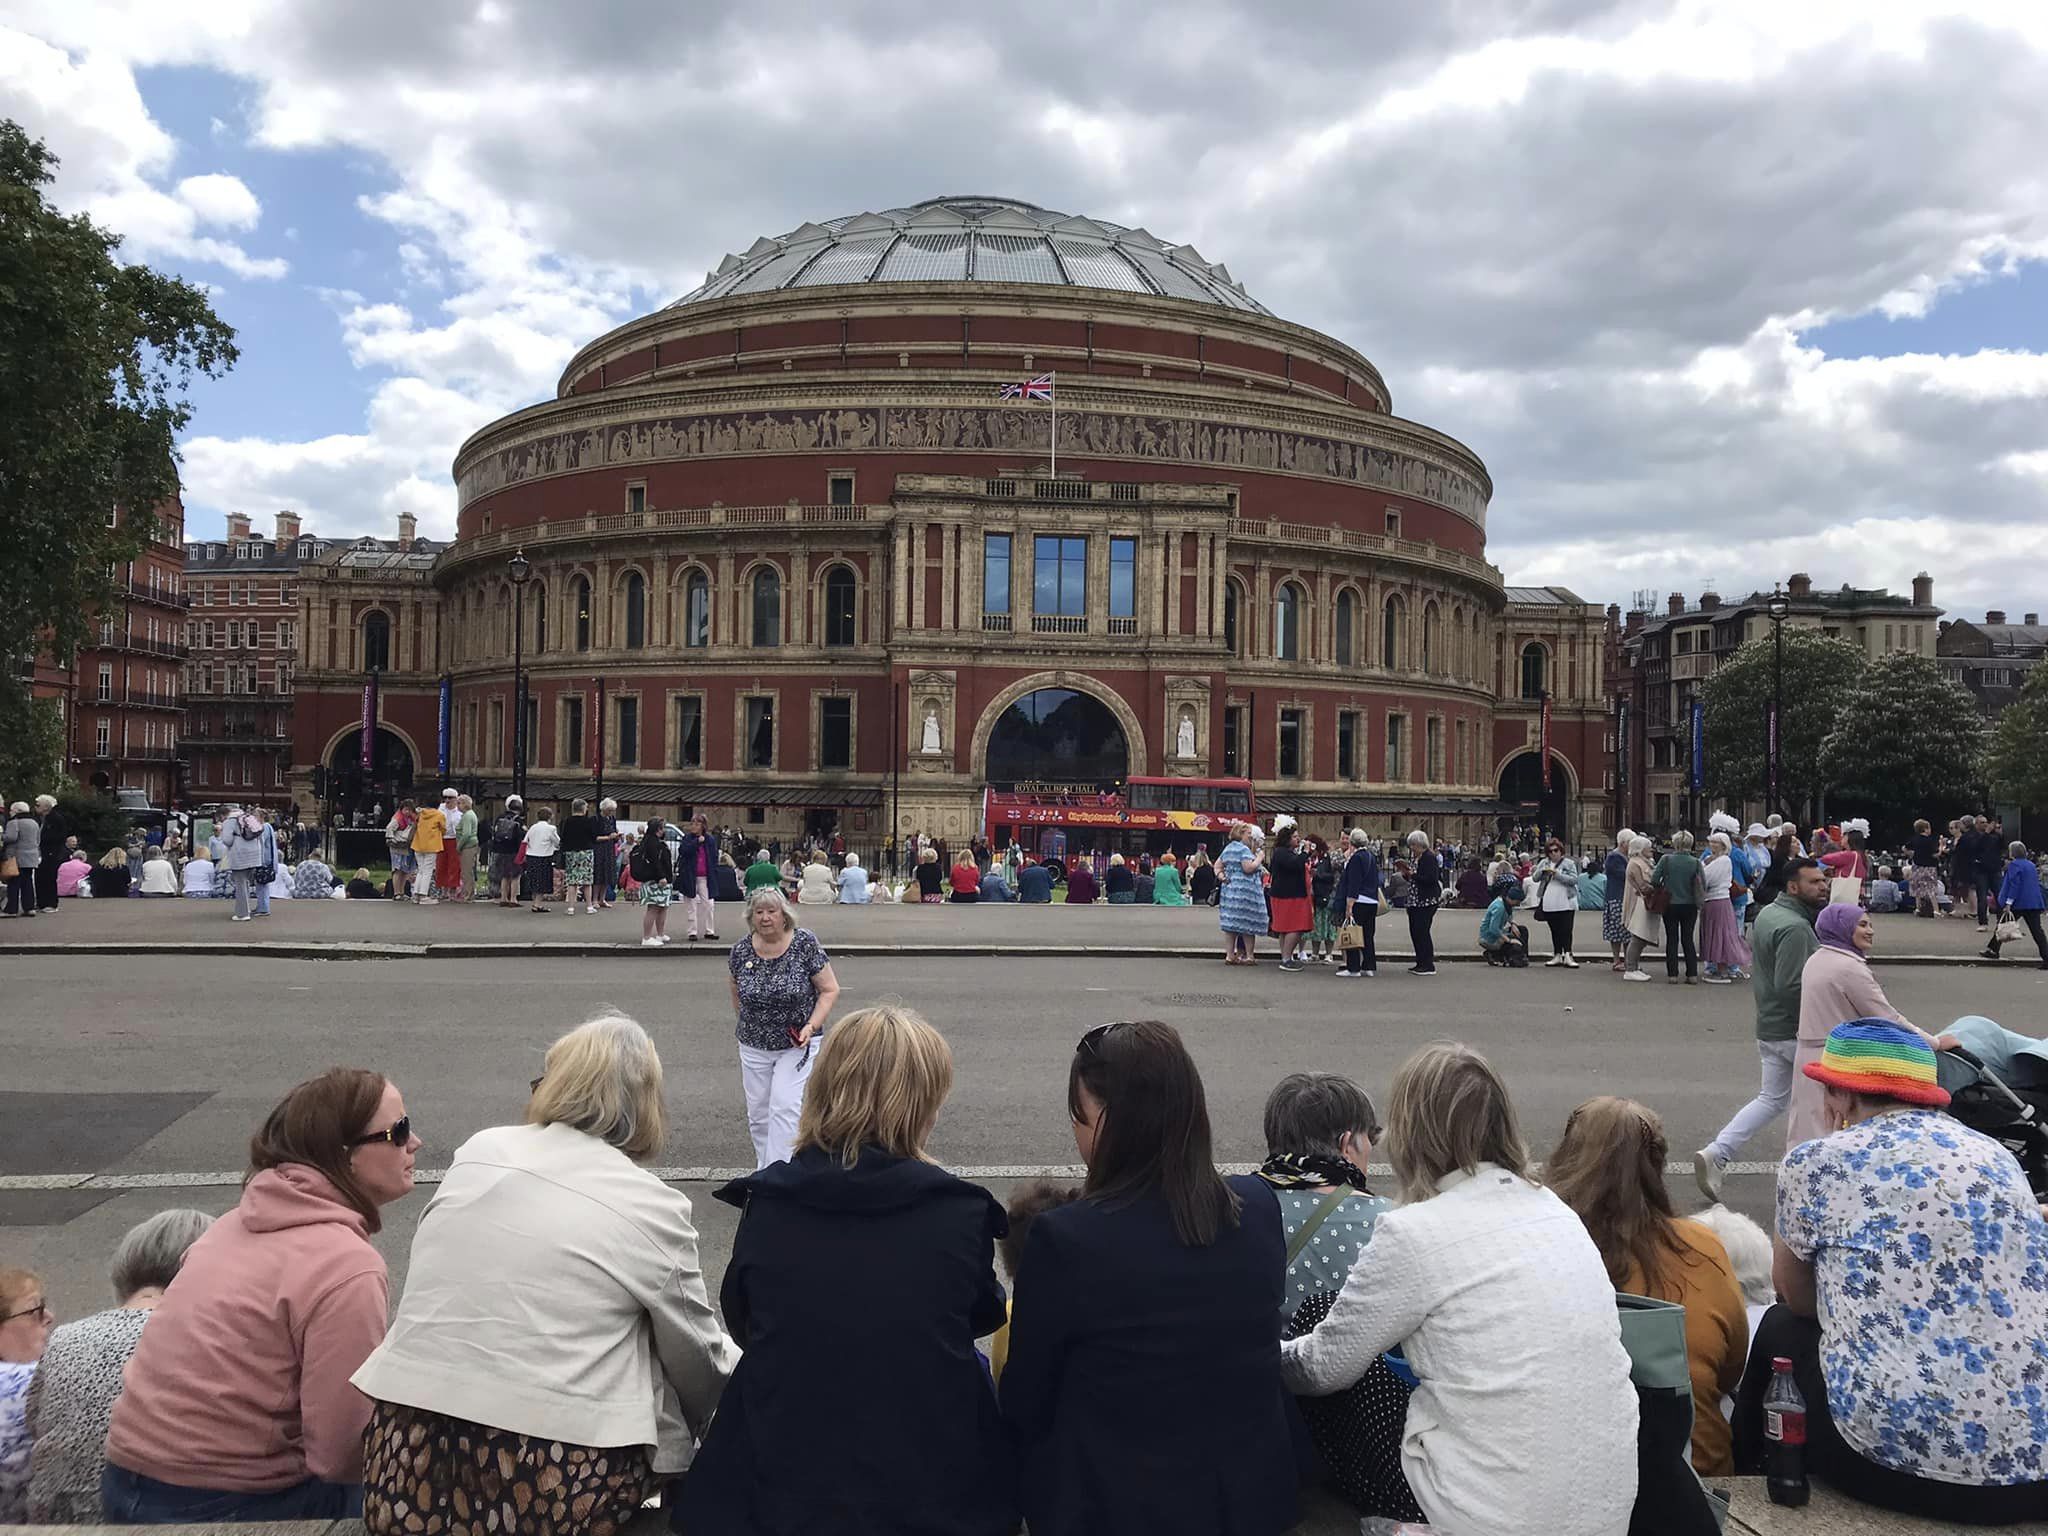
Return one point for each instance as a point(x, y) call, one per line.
point(762, 874)
point(1782, 941)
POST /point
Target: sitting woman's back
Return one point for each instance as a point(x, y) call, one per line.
point(1143, 1386)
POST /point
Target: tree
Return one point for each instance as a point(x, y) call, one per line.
point(1906, 743)
point(2016, 757)
point(31, 743)
point(1818, 674)
point(95, 360)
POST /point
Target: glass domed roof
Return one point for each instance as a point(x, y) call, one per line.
point(970, 240)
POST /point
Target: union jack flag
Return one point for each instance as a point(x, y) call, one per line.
point(1039, 388)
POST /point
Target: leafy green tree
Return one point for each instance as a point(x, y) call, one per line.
point(95, 359)
point(94, 819)
point(1818, 674)
point(2016, 757)
point(31, 742)
point(1906, 743)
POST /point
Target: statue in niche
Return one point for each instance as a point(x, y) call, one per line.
point(1186, 745)
point(931, 728)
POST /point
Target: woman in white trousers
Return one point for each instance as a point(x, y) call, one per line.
point(783, 990)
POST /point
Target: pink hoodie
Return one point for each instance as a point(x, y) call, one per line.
point(241, 1380)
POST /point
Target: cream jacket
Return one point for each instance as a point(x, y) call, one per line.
point(554, 1290)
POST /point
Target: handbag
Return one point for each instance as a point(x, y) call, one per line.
point(2010, 929)
point(1657, 899)
point(1845, 890)
point(1350, 936)
point(9, 870)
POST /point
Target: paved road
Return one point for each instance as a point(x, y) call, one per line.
point(164, 1065)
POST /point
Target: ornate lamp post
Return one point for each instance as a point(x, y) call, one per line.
point(1778, 607)
point(521, 569)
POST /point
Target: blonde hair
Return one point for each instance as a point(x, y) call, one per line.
point(878, 1083)
point(604, 1078)
point(928, 856)
point(15, 1284)
point(114, 858)
point(1448, 1111)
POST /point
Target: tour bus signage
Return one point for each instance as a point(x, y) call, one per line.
point(1106, 816)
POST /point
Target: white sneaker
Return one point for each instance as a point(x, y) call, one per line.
point(1571, 962)
point(1718, 981)
point(1707, 1173)
point(1635, 975)
point(1348, 975)
point(663, 937)
point(1554, 960)
point(570, 910)
point(650, 942)
point(429, 901)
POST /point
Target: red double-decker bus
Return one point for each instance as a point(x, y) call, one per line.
point(1136, 815)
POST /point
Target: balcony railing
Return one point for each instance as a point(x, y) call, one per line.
point(996, 623)
point(142, 647)
point(133, 754)
point(141, 592)
point(1321, 534)
point(673, 519)
point(1124, 625)
point(1059, 624)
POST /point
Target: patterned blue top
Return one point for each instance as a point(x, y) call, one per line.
point(15, 1443)
point(1326, 1259)
point(1931, 1263)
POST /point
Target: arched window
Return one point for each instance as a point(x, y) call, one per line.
point(696, 611)
point(1347, 625)
point(636, 611)
point(840, 626)
point(539, 598)
point(1391, 634)
point(1231, 638)
point(1287, 622)
point(767, 608)
point(1430, 649)
point(1534, 665)
point(377, 642)
point(580, 593)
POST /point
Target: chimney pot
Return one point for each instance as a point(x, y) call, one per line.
point(1709, 601)
point(408, 528)
point(2033, 619)
point(1923, 591)
point(1635, 621)
point(1994, 616)
point(1675, 603)
point(238, 525)
point(1799, 585)
point(287, 527)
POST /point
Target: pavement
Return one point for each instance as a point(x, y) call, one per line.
point(376, 929)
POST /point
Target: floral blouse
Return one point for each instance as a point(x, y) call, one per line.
point(14, 1441)
point(1931, 1264)
point(776, 995)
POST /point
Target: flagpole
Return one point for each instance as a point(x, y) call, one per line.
point(1055, 423)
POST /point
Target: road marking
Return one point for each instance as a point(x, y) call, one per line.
point(671, 1175)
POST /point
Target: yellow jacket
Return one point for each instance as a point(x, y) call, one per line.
point(429, 832)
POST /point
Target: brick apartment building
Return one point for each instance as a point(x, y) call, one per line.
point(1661, 661)
point(1992, 659)
point(125, 706)
point(243, 634)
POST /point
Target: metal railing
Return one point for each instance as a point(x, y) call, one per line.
point(146, 647)
point(158, 595)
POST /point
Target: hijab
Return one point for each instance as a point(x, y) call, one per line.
point(1836, 927)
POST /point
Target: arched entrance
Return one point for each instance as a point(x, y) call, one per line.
point(1521, 786)
point(1057, 736)
point(368, 796)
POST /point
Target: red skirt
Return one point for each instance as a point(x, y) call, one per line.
point(448, 867)
point(1291, 914)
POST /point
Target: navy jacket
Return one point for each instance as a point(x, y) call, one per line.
point(686, 863)
point(1143, 1386)
point(1034, 883)
point(859, 1405)
point(1359, 879)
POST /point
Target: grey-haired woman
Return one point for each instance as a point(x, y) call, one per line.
point(71, 1401)
point(782, 991)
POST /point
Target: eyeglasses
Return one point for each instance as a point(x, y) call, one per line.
point(1091, 1043)
point(534, 1086)
point(398, 1133)
point(40, 1311)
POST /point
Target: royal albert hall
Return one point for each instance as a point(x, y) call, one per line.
point(792, 558)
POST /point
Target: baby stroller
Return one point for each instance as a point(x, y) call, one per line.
point(2011, 1114)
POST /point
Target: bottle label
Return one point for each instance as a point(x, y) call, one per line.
point(1784, 1428)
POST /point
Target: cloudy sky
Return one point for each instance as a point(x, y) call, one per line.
point(1718, 290)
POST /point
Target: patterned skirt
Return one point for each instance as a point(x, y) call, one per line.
point(579, 868)
point(1612, 929)
point(1243, 909)
point(425, 1474)
point(537, 877)
point(656, 893)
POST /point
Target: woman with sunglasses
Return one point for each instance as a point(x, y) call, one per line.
point(25, 1323)
point(238, 1405)
point(1143, 1384)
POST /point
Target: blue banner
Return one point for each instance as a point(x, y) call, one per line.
point(447, 715)
point(1699, 745)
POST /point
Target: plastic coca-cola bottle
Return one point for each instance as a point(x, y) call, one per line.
point(1785, 1432)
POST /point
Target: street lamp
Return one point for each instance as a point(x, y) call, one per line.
point(1777, 608)
point(521, 569)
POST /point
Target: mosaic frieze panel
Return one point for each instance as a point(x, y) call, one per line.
point(975, 429)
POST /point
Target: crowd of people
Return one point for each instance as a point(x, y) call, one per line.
point(1158, 1347)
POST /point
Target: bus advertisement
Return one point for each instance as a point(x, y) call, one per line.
point(1147, 815)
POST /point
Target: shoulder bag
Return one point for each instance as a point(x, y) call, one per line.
point(1670, 1498)
point(1316, 1218)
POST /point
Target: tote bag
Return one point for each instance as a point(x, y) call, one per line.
point(1670, 1499)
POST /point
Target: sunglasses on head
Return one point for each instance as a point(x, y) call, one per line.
point(1091, 1043)
point(398, 1133)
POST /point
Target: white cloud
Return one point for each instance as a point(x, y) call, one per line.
point(1593, 238)
point(224, 201)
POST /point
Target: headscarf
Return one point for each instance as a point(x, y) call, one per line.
point(1836, 927)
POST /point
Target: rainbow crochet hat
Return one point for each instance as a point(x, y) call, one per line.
point(1880, 1058)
